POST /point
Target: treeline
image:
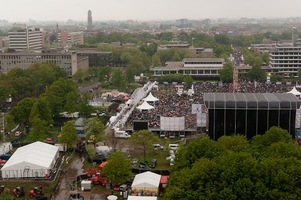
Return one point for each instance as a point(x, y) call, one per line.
point(41, 93)
point(267, 167)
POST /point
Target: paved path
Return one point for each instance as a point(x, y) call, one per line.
point(75, 169)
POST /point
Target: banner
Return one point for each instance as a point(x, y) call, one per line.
point(196, 108)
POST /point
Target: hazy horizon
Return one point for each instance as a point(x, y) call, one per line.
point(143, 10)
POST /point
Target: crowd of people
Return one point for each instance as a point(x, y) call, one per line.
point(173, 104)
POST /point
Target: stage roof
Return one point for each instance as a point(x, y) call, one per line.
point(253, 101)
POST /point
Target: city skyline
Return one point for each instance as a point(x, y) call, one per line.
point(55, 10)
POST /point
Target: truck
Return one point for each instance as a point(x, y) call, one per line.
point(121, 134)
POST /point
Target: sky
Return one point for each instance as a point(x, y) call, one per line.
point(142, 10)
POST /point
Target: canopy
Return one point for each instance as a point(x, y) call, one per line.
point(150, 98)
point(295, 92)
point(102, 165)
point(125, 98)
point(146, 180)
point(251, 101)
point(145, 106)
point(37, 157)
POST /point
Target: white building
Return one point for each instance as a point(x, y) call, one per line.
point(196, 67)
point(37, 159)
point(285, 60)
point(26, 39)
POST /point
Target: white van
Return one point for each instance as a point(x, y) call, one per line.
point(121, 134)
point(173, 146)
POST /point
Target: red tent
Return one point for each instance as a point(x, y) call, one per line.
point(125, 98)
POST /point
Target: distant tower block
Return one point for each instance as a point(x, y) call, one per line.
point(90, 26)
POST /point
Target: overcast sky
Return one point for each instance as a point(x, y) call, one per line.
point(102, 10)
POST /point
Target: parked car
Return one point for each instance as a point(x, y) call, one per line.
point(158, 147)
point(173, 146)
point(142, 165)
point(18, 133)
point(153, 163)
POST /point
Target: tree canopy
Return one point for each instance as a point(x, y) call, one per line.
point(68, 135)
point(266, 167)
point(143, 141)
point(118, 168)
point(226, 74)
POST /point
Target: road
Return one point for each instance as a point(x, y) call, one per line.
point(75, 169)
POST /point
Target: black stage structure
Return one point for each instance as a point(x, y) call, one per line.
point(250, 114)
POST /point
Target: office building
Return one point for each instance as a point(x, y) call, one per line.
point(26, 39)
point(285, 60)
point(69, 61)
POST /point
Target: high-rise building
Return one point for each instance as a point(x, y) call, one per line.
point(90, 25)
point(285, 60)
point(26, 39)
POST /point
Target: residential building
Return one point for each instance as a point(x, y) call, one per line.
point(70, 38)
point(68, 61)
point(22, 39)
point(198, 68)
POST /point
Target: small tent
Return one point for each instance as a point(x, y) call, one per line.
point(150, 98)
point(145, 106)
point(295, 92)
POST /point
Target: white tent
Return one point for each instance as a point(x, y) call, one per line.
point(150, 98)
point(145, 106)
point(34, 160)
point(295, 92)
point(147, 182)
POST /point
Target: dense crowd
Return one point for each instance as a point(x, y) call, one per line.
point(171, 104)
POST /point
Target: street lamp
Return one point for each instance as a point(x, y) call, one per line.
point(3, 127)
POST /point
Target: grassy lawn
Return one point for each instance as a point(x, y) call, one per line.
point(27, 185)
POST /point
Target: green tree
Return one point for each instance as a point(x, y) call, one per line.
point(226, 74)
point(118, 79)
point(21, 112)
point(95, 130)
point(188, 81)
point(39, 128)
point(104, 74)
point(9, 122)
point(59, 93)
point(68, 135)
point(142, 141)
point(267, 167)
point(256, 73)
point(41, 110)
point(118, 168)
